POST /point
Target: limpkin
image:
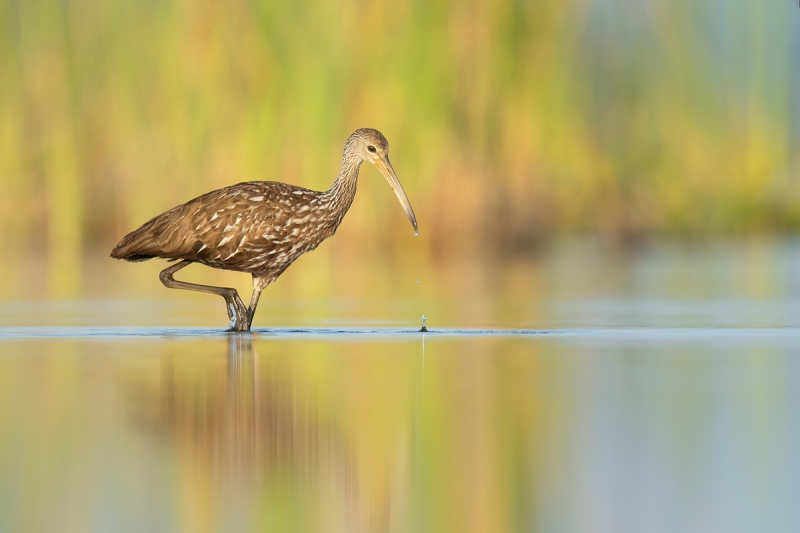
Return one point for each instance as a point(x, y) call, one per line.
point(258, 227)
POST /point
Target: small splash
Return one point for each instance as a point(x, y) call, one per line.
point(423, 329)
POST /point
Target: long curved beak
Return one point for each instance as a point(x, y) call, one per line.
point(386, 169)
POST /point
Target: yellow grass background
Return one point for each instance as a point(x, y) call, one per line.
point(511, 123)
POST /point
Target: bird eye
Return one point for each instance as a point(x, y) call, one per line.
point(371, 148)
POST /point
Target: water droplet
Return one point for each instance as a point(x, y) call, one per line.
point(416, 233)
point(417, 281)
point(423, 328)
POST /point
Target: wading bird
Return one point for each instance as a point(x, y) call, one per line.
point(258, 227)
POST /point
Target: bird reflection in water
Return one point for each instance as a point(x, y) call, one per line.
point(245, 434)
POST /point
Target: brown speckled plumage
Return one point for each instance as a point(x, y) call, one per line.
point(258, 227)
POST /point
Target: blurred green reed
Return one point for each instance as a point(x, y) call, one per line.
point(510, 122)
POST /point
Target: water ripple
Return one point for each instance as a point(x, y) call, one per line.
point(354, 333)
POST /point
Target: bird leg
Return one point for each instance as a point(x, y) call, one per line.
point(237, 312)
point(259, 284)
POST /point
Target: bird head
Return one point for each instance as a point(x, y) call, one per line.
point(370, 145)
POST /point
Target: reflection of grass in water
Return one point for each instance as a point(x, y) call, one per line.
point(309, 433)
point(491, 435)
point(509, 122)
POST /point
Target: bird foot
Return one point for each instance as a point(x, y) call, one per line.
point(237, 312)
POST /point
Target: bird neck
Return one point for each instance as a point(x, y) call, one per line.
point(340, 195)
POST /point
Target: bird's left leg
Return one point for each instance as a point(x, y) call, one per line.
point(259, 284)
point(237, 312)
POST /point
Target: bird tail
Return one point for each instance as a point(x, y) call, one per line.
point(133, 258)
point(138, 245)
point(124, 251)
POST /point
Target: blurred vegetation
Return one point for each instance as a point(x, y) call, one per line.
point(510, 122)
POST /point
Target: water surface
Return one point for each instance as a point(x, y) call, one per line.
point(656, 392)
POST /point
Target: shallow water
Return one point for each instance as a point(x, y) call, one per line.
point(663, 398)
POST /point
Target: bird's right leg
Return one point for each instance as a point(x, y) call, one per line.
point(237, 312)
point(259, 284)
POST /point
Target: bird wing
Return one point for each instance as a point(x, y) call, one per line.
point(213, 228)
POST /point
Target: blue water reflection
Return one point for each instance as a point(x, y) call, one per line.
point(631, 429)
